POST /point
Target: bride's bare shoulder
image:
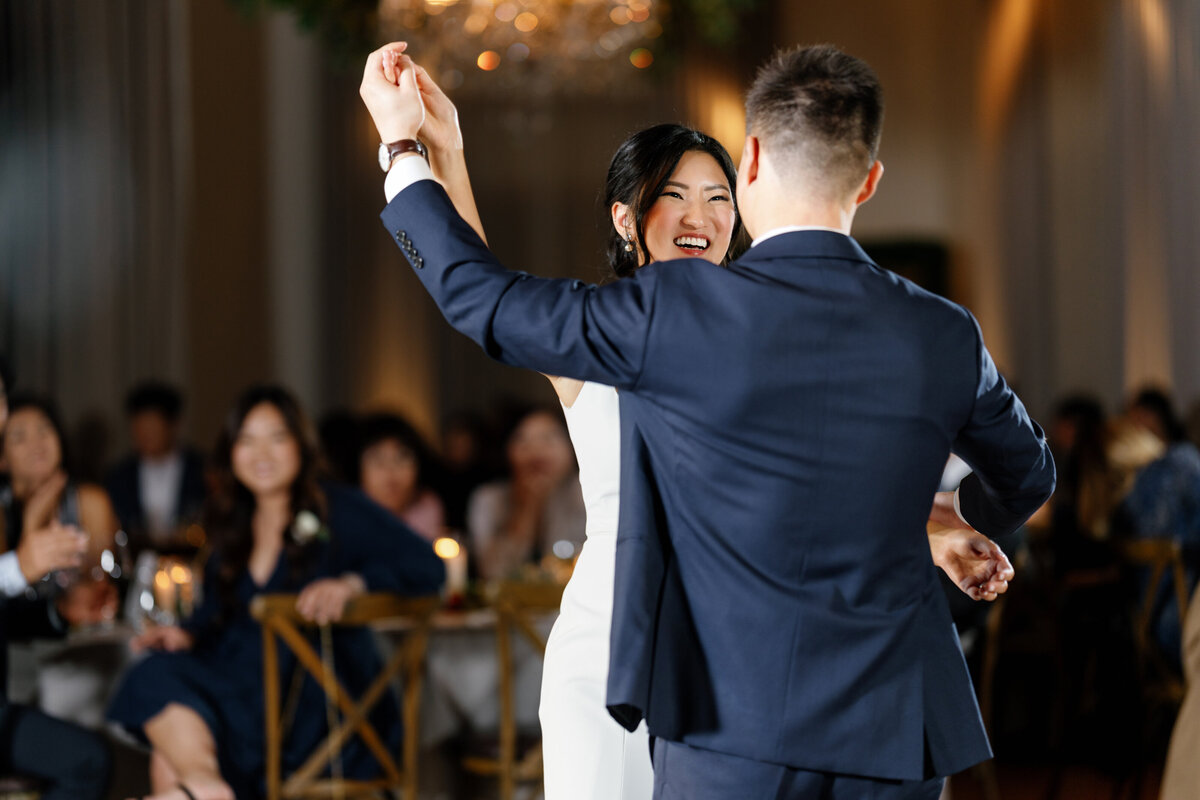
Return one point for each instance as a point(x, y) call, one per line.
point(567, 389)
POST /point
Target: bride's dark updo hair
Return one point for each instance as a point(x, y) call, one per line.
point(640, 169)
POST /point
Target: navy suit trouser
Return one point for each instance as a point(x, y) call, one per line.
point(71, 762)
point(689, 773)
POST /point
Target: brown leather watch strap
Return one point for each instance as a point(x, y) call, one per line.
point(403, 146)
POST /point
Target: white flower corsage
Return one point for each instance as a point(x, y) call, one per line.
point(307, 527)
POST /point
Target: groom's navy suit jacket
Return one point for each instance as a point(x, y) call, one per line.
point(784, 427)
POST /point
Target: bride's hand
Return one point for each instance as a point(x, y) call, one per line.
point(974, 562)
point(441, 131)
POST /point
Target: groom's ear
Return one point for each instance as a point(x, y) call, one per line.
point(748, 168)
point(870, 184)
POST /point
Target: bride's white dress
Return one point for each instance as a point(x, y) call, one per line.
point(587, 754)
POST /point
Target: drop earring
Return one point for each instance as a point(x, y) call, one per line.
point(628, 246)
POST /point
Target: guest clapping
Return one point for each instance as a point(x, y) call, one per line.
point(73, 763)
point(41, 494)
point(538, 510)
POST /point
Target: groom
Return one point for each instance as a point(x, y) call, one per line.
point(784, 422)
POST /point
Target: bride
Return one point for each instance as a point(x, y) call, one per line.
point(669, 192)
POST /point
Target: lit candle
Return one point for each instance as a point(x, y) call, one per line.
point(454, 556)
point(164, 591)
point(181, 576)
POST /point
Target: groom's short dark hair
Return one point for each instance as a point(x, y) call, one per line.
point(819, 110)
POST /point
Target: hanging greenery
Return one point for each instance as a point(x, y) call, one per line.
point(719, 22)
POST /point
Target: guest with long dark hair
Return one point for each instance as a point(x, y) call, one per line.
point(41, 492)
point(72, 763)
point(273, 528)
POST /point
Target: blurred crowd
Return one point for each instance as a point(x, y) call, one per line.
point(504, 483)
point(153, 544)
point(1090, 644)
point(505, 487)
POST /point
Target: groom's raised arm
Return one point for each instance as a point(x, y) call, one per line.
point(558, 327)
point(555, 326)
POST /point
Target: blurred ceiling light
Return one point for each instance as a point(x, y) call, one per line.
point(557, 38)
point(488, 60)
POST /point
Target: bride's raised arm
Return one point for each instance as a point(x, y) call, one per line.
point(443, 136)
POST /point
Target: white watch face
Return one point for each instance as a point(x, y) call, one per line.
point(384, 160)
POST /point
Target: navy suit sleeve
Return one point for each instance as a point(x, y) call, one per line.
point(1013, 469)
point(372, 542)
point(559, 327)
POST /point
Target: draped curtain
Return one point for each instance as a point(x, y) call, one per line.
point(1091, 168)
point(94, 173)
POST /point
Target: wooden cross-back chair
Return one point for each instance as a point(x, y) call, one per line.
point(1162, 686)
point(281, 623)
point(1163, 558)
point(517, 606)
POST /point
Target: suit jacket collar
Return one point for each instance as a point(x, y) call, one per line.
point(803, 244)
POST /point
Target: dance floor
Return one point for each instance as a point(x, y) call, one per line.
point(1025, 782)
point(441, 780)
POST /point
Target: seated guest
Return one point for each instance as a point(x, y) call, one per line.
point(159, 487)
point(538, 510)
point(40, 493)
point(1165, 500)
point(1087, 492)
point(394, 469)
point(72, 763)
point(273, 528)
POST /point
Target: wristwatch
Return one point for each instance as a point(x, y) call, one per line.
point(388, 152)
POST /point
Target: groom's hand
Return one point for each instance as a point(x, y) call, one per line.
point(974, 562)
point(390, 91)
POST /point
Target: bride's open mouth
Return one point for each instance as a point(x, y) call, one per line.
point(693, 245)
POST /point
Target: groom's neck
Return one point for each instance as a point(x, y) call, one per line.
point(783, 209)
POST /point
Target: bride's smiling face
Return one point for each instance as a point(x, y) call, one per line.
point(693, 216)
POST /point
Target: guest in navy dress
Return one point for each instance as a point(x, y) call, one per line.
point(198, 700)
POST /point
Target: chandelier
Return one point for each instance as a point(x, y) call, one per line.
point(539, 45)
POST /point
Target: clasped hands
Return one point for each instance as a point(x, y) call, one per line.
point(974, 562)
point(405, 102)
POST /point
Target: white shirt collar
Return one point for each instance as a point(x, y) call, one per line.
point(792, 229)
